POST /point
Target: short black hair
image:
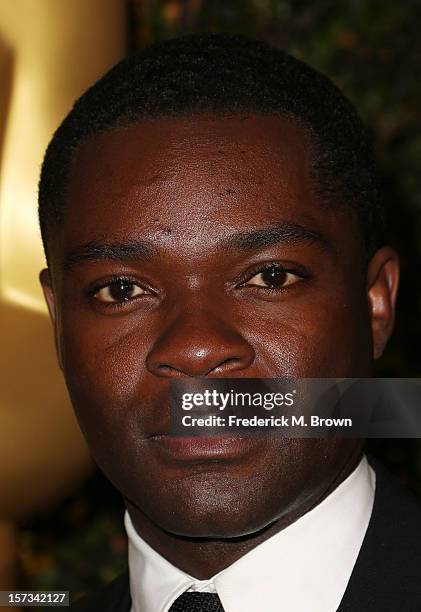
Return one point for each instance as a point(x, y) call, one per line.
point(230, 75)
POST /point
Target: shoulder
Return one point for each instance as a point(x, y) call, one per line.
point(388, 568)
point(112, 597)
point(396, 515)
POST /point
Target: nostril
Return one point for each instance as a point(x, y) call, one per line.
point(232, 363)
point(167, 370)
point(205, 368)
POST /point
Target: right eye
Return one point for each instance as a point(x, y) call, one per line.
point(119, 291)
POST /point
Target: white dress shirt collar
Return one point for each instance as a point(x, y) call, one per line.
point(306, 566)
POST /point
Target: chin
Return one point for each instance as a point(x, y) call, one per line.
point(207, 509)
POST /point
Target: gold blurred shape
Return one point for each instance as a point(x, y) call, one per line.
point(50, 51)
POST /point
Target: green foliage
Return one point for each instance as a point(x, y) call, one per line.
point(78, 545)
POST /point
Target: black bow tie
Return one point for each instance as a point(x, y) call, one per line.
point(197, 602)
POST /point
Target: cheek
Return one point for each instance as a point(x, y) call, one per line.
point(321, 337)
point(103, 362)
point(115, 401)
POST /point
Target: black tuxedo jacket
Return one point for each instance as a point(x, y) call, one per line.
point(386, 576)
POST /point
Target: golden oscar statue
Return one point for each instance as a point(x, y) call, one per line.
point(50, 52)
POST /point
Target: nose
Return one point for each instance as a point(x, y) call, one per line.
point(199, 344)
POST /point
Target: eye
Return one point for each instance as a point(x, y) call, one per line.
point(118, 291)
point(273, 277)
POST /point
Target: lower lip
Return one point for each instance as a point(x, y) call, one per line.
point(205, 448)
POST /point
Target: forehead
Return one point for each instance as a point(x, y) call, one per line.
point(196, 177)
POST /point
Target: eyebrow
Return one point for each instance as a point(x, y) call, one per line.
point(116, 251)
point(284, 233)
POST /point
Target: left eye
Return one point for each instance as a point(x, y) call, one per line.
point(273, 277)
point(119, 291)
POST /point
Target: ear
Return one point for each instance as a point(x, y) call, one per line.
point(382, 288)
point(47, 288)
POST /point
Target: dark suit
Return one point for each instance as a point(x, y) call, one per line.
point(386, 576)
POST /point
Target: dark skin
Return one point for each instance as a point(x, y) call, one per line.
point(233, 267)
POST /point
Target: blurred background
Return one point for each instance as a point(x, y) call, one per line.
point(60, 520)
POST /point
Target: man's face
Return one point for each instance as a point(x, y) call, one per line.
point(198, 247)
